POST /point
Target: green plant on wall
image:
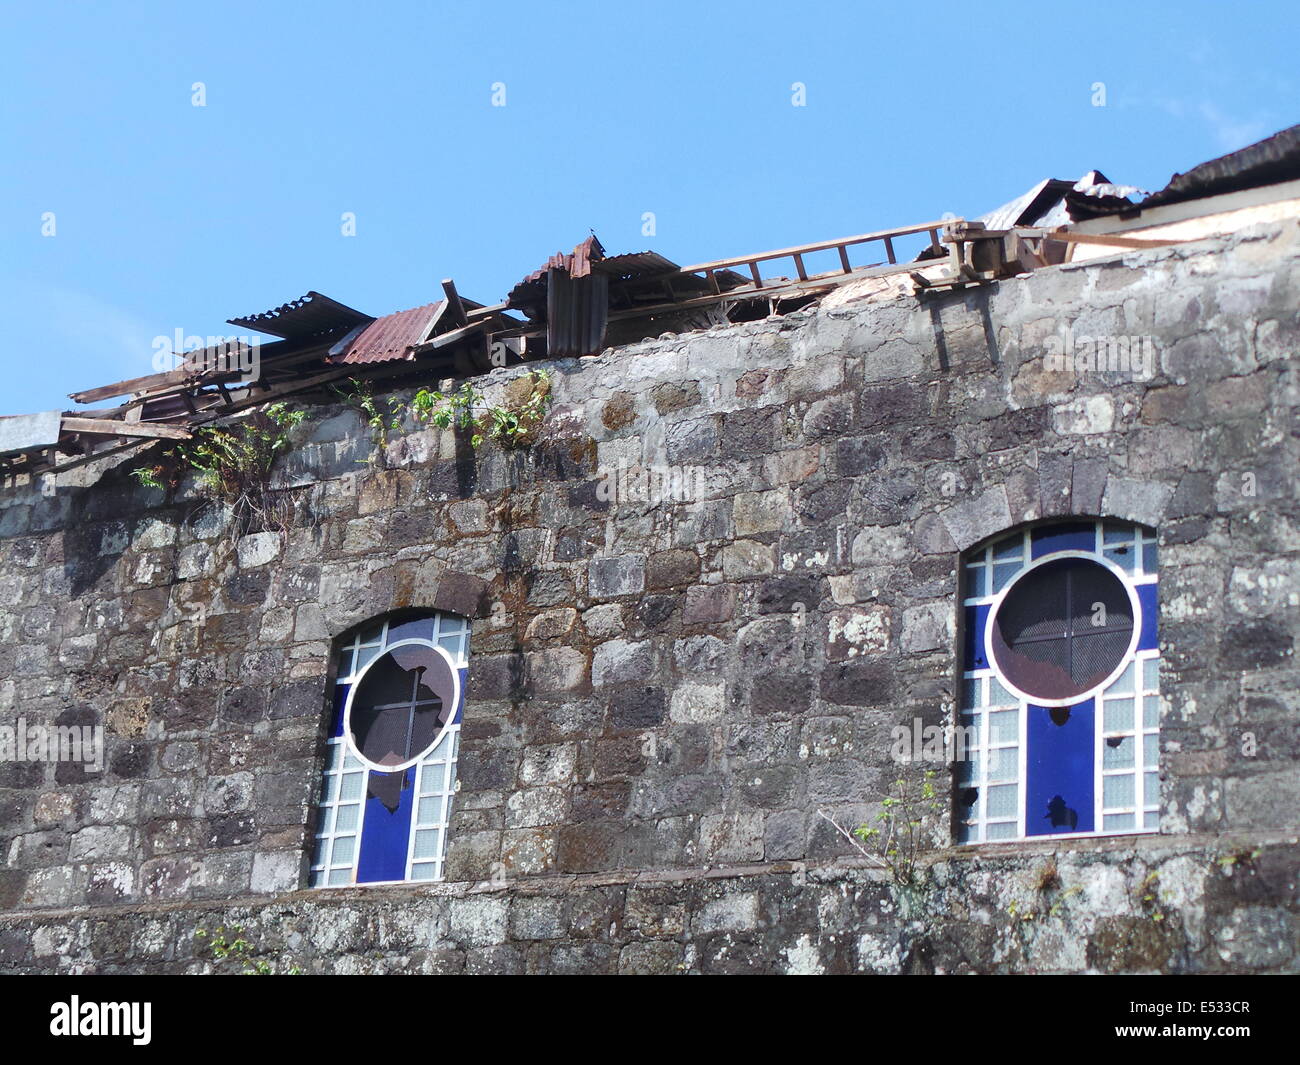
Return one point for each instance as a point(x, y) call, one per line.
point(897, 838)
point(233, 463)
point(381, 422)
point(1151, 900)
point(1049, 897)
point(236, 954)
point(511, 424)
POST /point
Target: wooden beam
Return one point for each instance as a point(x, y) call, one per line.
point(486, 312)
point(135, 384)
point(1110, 239)
point(254, 399)
point(440, 312)
point(443, 340)
point(94, 456)
point(818, 283)
point(105, 427)
point(455, 309)
point(813, 286)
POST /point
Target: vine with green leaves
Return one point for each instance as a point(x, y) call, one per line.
point(233, 464)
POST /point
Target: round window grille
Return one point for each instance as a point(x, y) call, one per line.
point(400, 705)
point(1062, 629)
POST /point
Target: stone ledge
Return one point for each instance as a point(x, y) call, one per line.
point(824, 870)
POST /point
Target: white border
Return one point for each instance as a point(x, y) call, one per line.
point(995, 605)
point(356, 683)
point(1138, 537)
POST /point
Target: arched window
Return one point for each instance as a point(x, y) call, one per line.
point(390, 770)
point(1060, 711)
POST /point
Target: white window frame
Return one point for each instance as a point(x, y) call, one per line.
point(1145, 807)
point(451, 633)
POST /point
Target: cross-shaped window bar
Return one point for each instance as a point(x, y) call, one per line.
point(412, 706)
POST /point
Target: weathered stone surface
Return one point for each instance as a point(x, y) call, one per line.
point(667, 690)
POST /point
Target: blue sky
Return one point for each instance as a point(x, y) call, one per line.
point(170, 216)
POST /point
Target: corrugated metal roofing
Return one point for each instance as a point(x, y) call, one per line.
point(390, 337)
point(1027, 209)
point(1268, 162)
point(308, 316)
point(577, 312)
point(635, 263)
point(576, 264)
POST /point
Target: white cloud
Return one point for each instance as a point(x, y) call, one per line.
point(81, 338)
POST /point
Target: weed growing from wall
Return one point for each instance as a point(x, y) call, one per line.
point(898, 836)
point(513, 424)
point(233, 463)
point(236, 955)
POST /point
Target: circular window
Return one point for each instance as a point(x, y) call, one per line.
point(1064, 628)
point(401, 703)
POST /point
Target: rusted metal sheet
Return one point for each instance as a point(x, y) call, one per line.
point(393, 336)
point(571, 296)
point(308, 316)
point(530, 293)
point(577, 311)
point(571, 301)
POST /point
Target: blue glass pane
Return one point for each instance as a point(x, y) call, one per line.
point(1149, 639)
point(1013, 547)
point(421, 629)
point(976, 619)
point(460, 705)
point(1114, 534)
point(1059, 770)
point(1149, 562)
point(1123, 556)
point(387, 832)
point(1073, 536)
point(340, 697)
point(1003, 574)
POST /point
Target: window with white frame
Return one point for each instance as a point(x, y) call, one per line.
point(390, 770)
point(1060, 706)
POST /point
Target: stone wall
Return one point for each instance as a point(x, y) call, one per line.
point(1145, 904)
point(662, 691)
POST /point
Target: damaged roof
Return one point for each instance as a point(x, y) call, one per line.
point(394, 336)
point(1268, 162)
point(309, 315)
point(579, 302)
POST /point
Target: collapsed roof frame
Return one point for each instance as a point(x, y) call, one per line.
point(575, 300)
